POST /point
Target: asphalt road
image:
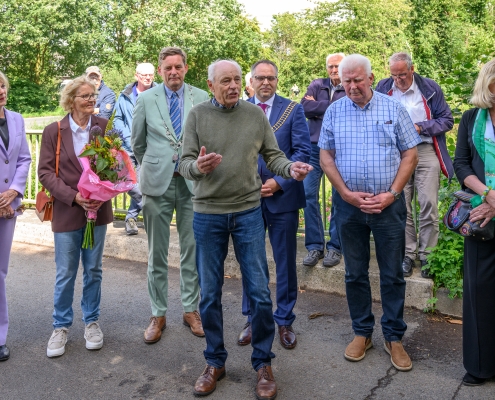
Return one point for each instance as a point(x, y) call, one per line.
point(127, 368)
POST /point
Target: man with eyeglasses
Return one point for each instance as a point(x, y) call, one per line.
point(320, 94)
point(281, 198)
point(426, 105)
point(124, 108)
point(106, 97)
point(157, 136)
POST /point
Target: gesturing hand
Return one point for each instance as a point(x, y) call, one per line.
point(207, 162)
point(299, 170)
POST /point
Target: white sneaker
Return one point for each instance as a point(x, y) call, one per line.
point(93, 336)
point(56, 344)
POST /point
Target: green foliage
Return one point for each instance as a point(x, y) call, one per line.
point(27, 97)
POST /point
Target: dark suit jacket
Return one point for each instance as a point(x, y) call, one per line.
point(293, 140)
point(67, 214)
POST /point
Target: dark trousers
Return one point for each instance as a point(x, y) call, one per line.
point(388, 230)
point(478, 328)
point(282, 231)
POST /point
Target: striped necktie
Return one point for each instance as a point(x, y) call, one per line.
point(175, 113)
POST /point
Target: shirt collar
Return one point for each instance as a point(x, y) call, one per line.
point(269, 102)
point(368, 105)
point(169, 92)
point(334, 88)
point(217, 104)
point(75, 128)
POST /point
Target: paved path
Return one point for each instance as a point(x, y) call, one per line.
point(37, 122)
point(127, 368)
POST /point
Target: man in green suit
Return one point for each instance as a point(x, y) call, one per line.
point(157, 129)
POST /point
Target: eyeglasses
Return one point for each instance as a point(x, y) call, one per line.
point(146, 75)
point(400, 76)
point(88, 97)
point(262, 78)
point(333, 66)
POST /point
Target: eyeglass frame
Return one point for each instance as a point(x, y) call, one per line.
point(399, 76)
point(93, 96)
point(270, 78)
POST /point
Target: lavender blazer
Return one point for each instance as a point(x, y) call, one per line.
point(14, 162)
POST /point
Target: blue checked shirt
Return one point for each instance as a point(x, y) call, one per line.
point(368, 141)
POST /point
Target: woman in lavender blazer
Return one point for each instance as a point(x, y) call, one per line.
point(14, 166)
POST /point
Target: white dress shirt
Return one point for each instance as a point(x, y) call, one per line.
point(412, 99)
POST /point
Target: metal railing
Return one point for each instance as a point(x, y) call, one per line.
point(122, 201)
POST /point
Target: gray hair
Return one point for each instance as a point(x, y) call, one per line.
point(141, 68)
point(401, 56)
point(212, 67)
point(482, 97)
point(332, 55)
point(353, 61)
point(69, 91)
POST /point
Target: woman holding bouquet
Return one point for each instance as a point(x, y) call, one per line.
point(78, 98)
point(475, 168)
point(14, 160)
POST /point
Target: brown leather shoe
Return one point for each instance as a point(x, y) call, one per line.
point(245, 336)
point(398, 356)
point(207, 382)
point(266, 389)
point(153, 332)
point(288, 338)
point(193, 320)
point(356, 350)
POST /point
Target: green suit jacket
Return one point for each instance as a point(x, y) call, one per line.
point(153, 138)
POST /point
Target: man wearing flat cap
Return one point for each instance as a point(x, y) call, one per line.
point(106, 97)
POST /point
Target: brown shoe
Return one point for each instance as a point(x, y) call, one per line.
point(207, 382)
point(193, 320)
point(288, 338)
point(266, 389)
point(398, 356)
point(245, 336)
point(356, 350)
point(153, 332)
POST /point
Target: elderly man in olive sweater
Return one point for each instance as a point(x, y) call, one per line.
point(226, 202)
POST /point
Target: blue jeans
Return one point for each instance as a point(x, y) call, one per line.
point(314, 238)
point(68, 252)
point(388, 230)
point(135, 194)
point(212, 232)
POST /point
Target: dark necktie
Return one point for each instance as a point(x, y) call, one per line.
point(175, 113)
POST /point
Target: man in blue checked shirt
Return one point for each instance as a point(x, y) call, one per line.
point(368, 151)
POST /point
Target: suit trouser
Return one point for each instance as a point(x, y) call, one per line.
point(157, 215)
point(426, 180)
point(7, 234)
point(282, 231)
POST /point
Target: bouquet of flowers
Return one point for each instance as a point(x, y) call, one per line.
point(107, 172)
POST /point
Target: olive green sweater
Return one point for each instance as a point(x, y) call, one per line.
point(238, 135)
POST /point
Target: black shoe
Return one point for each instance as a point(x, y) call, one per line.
point(425, 273)
point(470, 380)
point(312, 258)
point(4, 353)
point(332, 258)
point(407, 266)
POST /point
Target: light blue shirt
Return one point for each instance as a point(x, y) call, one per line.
point(368, 141)
point(180, 93)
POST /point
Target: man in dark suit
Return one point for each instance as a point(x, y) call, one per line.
point(281, 198)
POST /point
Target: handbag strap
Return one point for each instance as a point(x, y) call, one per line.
point(57, 154)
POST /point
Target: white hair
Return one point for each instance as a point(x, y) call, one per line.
point(354, 61)
point(143, 68)
point(332, 55)
point(212, 67)
point(402, 56)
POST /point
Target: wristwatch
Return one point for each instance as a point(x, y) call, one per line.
point(394, 193)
